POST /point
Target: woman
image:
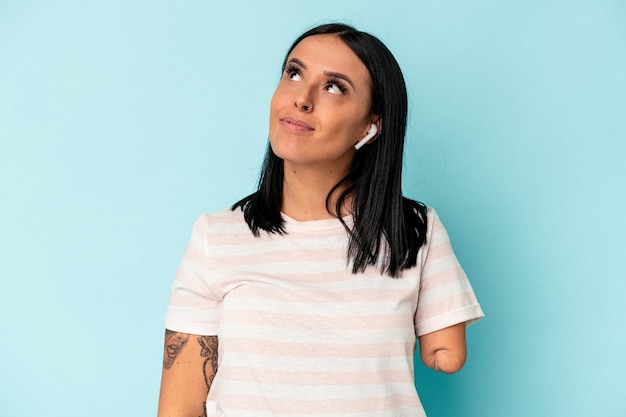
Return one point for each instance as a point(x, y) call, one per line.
point(317, 285)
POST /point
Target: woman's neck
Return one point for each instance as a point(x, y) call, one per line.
point(305, 191)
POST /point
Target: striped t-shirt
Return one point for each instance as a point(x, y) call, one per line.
point(299, 333)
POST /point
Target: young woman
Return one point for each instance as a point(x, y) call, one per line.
point(306, 298)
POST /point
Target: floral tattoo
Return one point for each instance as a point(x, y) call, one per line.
point(209, 351)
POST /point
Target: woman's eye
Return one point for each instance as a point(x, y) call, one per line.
point(334, 88)
point(294, 75)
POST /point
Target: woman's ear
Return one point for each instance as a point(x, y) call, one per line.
point(378, 122)
point(369, 136)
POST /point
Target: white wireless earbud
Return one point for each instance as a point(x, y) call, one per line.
point(370, 134)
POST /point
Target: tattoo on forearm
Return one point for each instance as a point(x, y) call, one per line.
point(174, 343)
point(209, 351)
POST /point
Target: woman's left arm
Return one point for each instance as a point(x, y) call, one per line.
point(444, 350)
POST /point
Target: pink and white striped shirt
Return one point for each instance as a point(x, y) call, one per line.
point(299, 334)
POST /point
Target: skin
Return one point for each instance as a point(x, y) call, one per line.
point(319, 111)
point(174, 342)
point(188, 372)
point(444, 350)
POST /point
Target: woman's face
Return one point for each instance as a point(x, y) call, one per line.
point(321, 106)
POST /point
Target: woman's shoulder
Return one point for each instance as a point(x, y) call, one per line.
point(436, 232)
point(227, 219)
point(426, 217)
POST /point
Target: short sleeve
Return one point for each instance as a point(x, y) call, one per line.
point(445, 296)
point(192, 307)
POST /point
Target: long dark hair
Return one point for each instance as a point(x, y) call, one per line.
point(383, 219)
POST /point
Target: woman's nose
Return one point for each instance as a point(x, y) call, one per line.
point(304, 100)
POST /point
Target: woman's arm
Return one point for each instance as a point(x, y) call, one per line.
point(444, 350)
point(189, 366)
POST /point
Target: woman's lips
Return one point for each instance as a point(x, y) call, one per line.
point(295, 124)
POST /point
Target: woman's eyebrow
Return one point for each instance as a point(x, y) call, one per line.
point(297, 61)
point(333, 74)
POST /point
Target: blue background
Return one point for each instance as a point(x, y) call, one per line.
point(122, 121)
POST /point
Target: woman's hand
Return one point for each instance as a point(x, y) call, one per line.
point(189, 366)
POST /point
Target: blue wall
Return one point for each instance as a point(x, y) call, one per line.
point(122, 121)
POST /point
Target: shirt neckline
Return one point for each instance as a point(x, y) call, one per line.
point(315, 225)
